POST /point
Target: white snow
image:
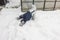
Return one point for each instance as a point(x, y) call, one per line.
point(13, 3)
point(46, 25)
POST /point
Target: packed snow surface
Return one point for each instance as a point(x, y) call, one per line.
point(13, 3)
point(46, 25)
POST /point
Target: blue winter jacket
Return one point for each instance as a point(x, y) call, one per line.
point(27, 16)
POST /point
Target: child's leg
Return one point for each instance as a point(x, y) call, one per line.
point(19, 17)
point(22, 22)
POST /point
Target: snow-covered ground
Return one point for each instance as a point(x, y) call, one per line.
point(13, 3)
point(46, 25)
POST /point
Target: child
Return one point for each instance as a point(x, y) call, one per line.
point(27, 16)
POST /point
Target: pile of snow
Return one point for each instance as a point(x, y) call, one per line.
point(46, 26)
point(13, 3)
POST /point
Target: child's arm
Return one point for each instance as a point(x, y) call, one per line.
point(33, 17)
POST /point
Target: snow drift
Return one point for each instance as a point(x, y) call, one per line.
point(46, 25)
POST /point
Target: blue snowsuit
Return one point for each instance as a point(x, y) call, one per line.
point(26, 17)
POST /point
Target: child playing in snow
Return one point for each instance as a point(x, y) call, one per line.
point(27, 16)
